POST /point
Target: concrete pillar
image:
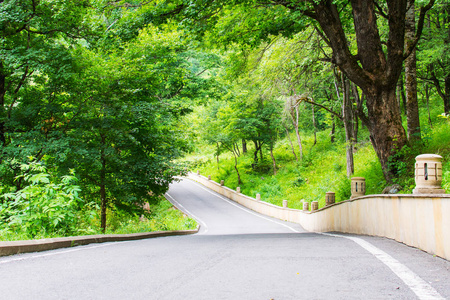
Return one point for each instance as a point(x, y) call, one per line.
point(314, 205)
point(358, 187)
point(285, 203)
point(306, 206)
point(258, 197)
point(238, 189)
point(222, 183)
point(428, 174)
point(330, 198)
point(209, 177)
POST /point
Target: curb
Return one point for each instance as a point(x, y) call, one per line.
point(16, 247)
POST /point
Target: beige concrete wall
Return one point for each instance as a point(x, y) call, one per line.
point(421, 221)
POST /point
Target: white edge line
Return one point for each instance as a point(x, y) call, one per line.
point(182, 208)
point(244, 208)
point(420, 287)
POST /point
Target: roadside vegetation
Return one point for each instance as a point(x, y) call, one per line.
point(322, 169)
point(103, 103)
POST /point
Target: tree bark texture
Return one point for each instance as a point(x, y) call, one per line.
point(412, 106)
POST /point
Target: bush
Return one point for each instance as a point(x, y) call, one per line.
point(44, 205)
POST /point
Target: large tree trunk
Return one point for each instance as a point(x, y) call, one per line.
point(412, 106)
point(375, 70)
point(386, 131)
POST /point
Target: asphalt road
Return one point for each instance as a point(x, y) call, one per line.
point(237, 254)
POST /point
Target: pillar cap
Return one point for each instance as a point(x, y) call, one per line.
point(428, 157)
point(358, 178)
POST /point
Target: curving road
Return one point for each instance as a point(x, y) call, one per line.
point(237, 254)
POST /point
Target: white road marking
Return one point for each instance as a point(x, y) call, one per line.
point(245, 209)
point(419, 286)
point(181, 207)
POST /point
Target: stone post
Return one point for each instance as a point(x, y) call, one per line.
point(428, 174)
point(238, 189)
point(330, 198)
point(314, 205)
point(285, 203)
point(358, 187)
point(198, 172)
point(305, 206)
point(209, 177)
point(222, 183)
point(258, 197)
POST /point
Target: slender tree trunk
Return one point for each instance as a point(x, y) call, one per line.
point(290, 142)
point(402, 94)
point(236, 168)
point(355, 112)
point(347, 117)
point(444, 94)
point(447, 95)
point(314, 125)
point(274, 163)
point(427, 98)
point(333, 130)
point(255, 154)
point(299, 140)
point(2, 105)
point(103, 198)
point(412, 106)
point(261, 151)
point(217, 156)
point(244, 146)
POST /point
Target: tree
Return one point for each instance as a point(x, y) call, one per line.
point(374, 63)
point(32, 35)
point(434, 54)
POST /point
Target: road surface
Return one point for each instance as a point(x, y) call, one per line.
point(237, 254)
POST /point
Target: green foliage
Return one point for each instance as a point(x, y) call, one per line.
point(44, 205)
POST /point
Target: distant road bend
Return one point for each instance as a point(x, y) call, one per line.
point(238, 254)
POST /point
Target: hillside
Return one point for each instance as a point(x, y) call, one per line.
point(322, 169)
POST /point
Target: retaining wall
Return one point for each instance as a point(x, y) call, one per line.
point(421, 221)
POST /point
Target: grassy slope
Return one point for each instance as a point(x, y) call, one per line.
point(323, 167)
